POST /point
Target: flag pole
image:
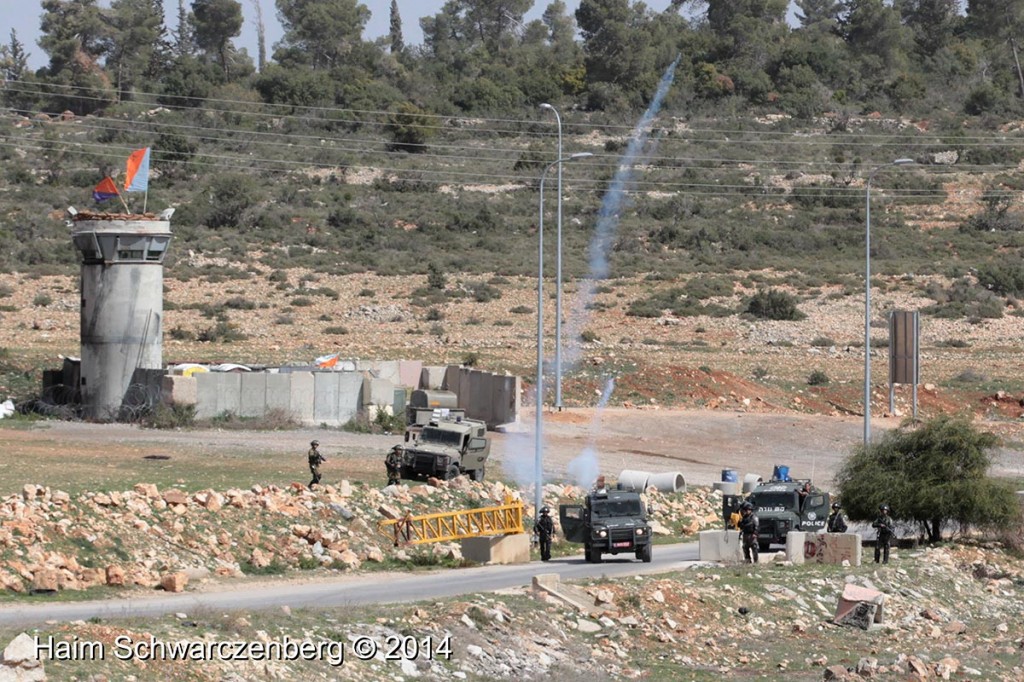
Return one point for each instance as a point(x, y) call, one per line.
point(123, 203)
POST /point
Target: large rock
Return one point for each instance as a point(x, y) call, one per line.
point(174, 582)
point(45, 580)
point(174, 497)
point(115, 576)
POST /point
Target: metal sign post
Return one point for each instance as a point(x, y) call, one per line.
point(904, 365)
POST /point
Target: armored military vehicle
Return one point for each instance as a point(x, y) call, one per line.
point(446, 447)
point(781, 508)
point(608, 522)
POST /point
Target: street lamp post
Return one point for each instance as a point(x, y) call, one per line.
point(867, 298)
point(558, 271)
point(538, 451)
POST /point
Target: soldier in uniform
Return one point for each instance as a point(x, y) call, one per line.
point(315, 460)
point(886, 528)
point(748, 532)
point(836, 522)
point(545, 529)
point(393, 462)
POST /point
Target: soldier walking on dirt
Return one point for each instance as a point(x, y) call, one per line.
point(393, 463)
point(886, 528)
point(748, 532)
point(836, 522)
point(545, 529)
point(315, 460)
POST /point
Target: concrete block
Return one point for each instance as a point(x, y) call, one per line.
point(497, 549)
point(389, 370)
point(432, 378)
point(860, 607)
point(179, 390)
point(479, 403)
point(451, 379)
point(504, 399)
point(301, 396)
point(217, 393)
point(278, 393)
point(462, 389)
point(326, 387)
point(253, 395)
point(720, 545)
point(378, 392)
point(350, 389)
point(823, 548)
point(409, 372)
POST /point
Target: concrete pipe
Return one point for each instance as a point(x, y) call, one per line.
point(667, 482)
point(631, 479)
point(727, 487)
point(751, 481)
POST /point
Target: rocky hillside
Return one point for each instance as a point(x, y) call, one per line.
point(146, 537)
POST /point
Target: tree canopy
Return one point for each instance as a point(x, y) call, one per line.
point(934, 475)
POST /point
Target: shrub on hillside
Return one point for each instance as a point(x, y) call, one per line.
point(772, 304)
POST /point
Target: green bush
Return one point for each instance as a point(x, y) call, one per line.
point(588, 336)
point(818, 378)
point(173, 416)
point(338, 331)
point(772, 304)
point(434, 315)
point(301, 302)
point(521, 310)
point(42, 300)
point(822, 342)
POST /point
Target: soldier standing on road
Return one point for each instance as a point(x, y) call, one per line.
point(393, 462)
point(886, 528)
point(315, 460)
point(836, 522)
point(545, 529)
point(748, 532)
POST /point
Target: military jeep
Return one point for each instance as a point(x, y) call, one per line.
point(609, 522)
point(780, 510)
point(446, 447)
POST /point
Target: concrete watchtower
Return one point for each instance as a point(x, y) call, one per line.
point(122, 306)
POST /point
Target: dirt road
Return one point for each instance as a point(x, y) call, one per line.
point(696, 443)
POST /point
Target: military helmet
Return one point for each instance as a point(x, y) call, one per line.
point(545, 510)
point(747, 505)
point(883, 507)
point(398, 448)
point(314, 443)
point(835, 505)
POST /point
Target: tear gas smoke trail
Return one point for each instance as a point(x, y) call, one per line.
point(584, 468)
point(519, 456)
point(608, 216)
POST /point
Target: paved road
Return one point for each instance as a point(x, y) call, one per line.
point(370, 589)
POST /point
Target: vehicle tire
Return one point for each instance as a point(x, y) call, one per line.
point(453, 472)
point(478, 474)
point(644, 553)
point(764, 546)
point(596, 555)
point(586, 554)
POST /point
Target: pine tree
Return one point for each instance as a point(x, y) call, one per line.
point(395, 33)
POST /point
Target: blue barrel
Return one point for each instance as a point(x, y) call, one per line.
point(781, 473)
point(730, 475)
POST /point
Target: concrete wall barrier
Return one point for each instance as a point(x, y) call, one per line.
point(497, 549)
point(432, 378)
point(823, 548)
point(409, 372)
point(178, 390)
point(720, 545)
point(253, 397)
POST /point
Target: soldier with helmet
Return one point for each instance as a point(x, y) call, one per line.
point(886, 529)
point(836, 522)
point(315, 460)
point(748, 531)
point(544, 527)
point(393, 463)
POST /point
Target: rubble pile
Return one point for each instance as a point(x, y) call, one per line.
point(50, 540)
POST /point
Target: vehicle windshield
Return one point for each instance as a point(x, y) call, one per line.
point(774, 500)
point(435, 435)
point(608, 508)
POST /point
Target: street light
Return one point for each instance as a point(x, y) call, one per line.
point(558, 272)
point(867, 300)
point(538, 453)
